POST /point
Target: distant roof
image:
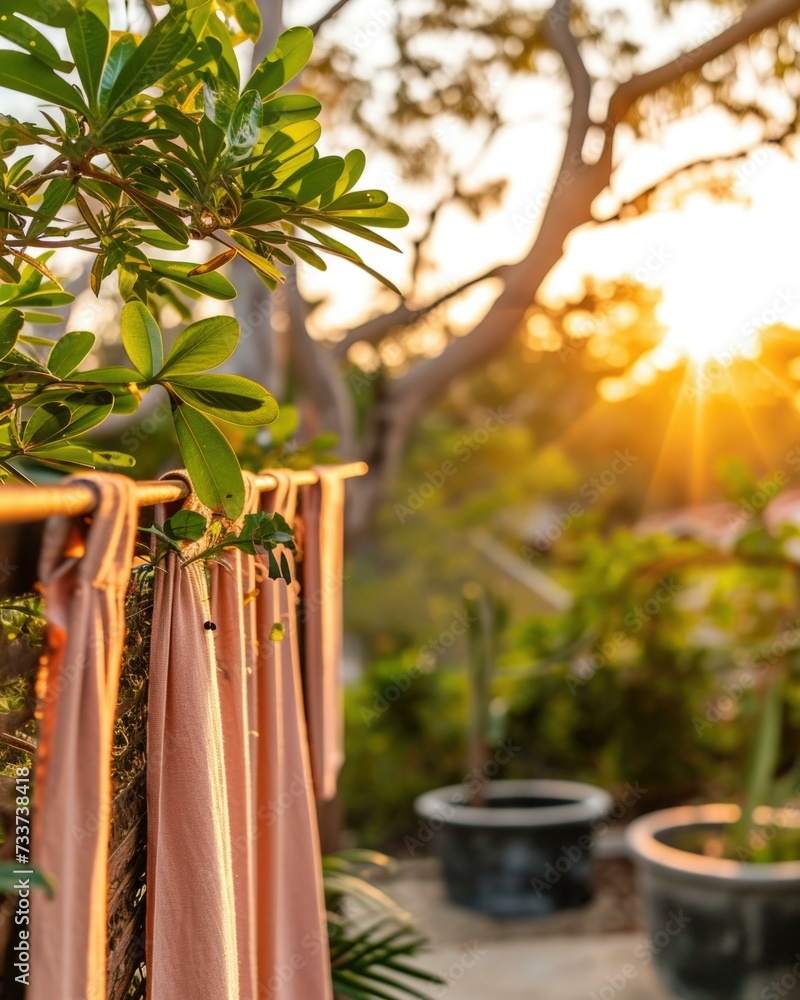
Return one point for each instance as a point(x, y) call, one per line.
point(720, 524)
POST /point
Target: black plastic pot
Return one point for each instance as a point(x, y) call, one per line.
point(525, 853)
point(719, 929)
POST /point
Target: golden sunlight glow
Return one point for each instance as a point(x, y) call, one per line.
point(705, 327)
point(710, 318)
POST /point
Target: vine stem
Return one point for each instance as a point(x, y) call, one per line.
point(17, 743)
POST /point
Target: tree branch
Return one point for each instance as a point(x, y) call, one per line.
point(569, 206)
point(564, 214)
point(150, 11)
point(757, 17)
point(710, 161)
point(374, 330)
point(334, 10)
point(564, 42)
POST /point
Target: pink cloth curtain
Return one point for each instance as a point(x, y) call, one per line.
point(293, 953)
point(233, 610)
point(235, 902)
point(84, 570)
point(192, 948)
point(322, 506)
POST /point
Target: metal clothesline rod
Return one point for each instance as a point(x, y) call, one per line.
point(20, 504)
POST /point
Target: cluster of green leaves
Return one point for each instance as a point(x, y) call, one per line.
point(158, 144)
point(21, 617)
point(664, 629)
point(261, 533)
point(162, 133)
point(50, 405)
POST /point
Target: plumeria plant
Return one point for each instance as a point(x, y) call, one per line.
point(145, 145)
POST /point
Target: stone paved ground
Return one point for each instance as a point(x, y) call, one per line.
point(595, 953)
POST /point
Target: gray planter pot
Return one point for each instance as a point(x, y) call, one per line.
point(526, 853)
point(719, 929)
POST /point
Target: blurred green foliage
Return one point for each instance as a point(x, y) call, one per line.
point(654, 675)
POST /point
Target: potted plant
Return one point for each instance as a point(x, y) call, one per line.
point(508, 848)
point(721, 882)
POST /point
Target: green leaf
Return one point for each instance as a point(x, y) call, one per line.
point(228, 397)
point(27, 75)
point(45, 298)
point(389, 215)
point(11, 322)
point(308, 254)
point(355, 228)
point(46, 422)
point(30, 338)
point(245, 125)
point(764, 753)
point(69, 352)
point(9, 879)
point(160, 216)
point(213, 284)
point(227, 64)
point(354, 163)
point(155, 238)
point(359, 200)
point(249, 17)
point(57, 193)
point(311, 181)
point(88, 409)
point(56, 13)
point(31, 40)
point(88, 38)
point(287, 108)
point(113, 460)
point(7, 271)
point(141, 338)
point(210, 461)
point(290, 55)
point(165, 45)
point(185, 526)
point(331, 244)
point(335, 247)
point(259, 212)
point(181, 123)
point(212, 140)
point(40, 318)
point(261, 264)
point(112, 375)
point(121, 52)
point(64, 453)
point(219, 100)
point(203, 345)
point(289, 143)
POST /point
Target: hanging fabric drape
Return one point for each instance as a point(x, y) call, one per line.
point(192, 948)
point(235, 900)
point(233, 587)
point(293, 955)
point(322, 506)
point(84, 571)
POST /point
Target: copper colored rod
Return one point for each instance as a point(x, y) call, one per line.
point(19, 504)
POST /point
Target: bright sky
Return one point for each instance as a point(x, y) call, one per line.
point(722, 266)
